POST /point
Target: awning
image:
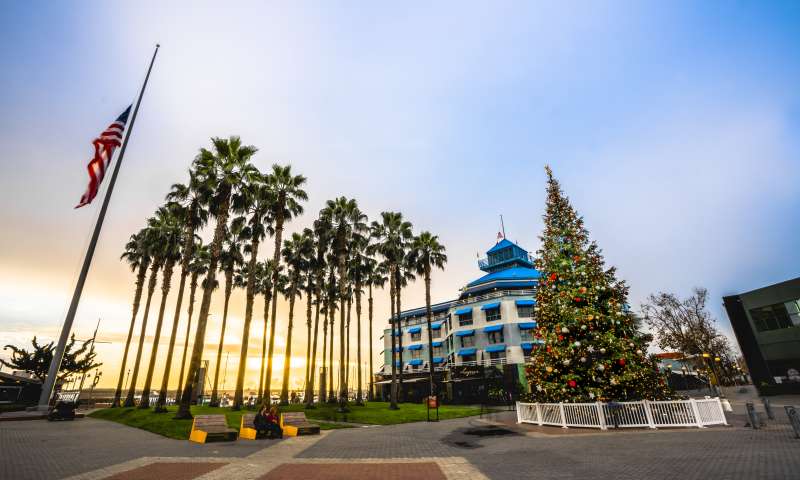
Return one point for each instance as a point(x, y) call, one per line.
point(493, 328)
point(526, 325)
point(464, 311)
point(415, 347)
point(414, 329)
point(416, 362)
point(526, 345)
point(491, 306)
point(467, 351)
point(436, 344)
point(438, 359)
point(525, 303)
point(436, 326)
point(398, 349)
point(465, 333)
point(496, 348)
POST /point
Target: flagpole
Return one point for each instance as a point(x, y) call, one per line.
point(58, 355)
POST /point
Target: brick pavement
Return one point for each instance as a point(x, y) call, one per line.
point(474, 448)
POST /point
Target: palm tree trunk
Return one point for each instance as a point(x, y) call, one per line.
point(162, 396)
point(148, 380)
point(192, 291)
point(141, 274)
point(214, 402)
point(151, 288)
point(347, 340)
point(261, 397)
point(428, 315)
point(359, 393)
point(313, 368)
point(287, 355)
point(371, 393)
point(398, 311)
point(276, 261)
point(393, 324)
point(342, 338)
point(309, 298)
point(331, 391)
point(323, 392)
point(205, 306)
point(248, 317)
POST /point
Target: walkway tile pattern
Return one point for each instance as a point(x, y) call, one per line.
point(361, 471)
point(168, 470)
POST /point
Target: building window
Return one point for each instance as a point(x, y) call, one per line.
point(436, 333)
point(416, 354)
point(774, 317)
point(497, 355)
point(468, 341)
point(496, 337)
point(417, 336)
point(492, 314)
point(526, 335)
point(437, 351)
point(525, 311)
point(467, 358)
point(465, 319)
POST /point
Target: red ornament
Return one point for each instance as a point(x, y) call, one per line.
point(561, 337)
point(553, 277)
point(622, 361)
point(572, 383)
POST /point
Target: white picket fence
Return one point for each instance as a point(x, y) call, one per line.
point(652, 414)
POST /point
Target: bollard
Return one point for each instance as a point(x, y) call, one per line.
point(768, 408)
point(752, 417)
point(794, 419)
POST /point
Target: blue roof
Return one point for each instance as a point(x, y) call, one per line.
point(415, 362)
point(436, 344)
point(436, 326)
point(496, 348)
point(464, 311)
point(500, 245)
point(493, 328)
point(526, 325)
point(490, 306)
point(414, 329)
point(526, 303)
point(465, 333)
point(467, 351)
point(509, 274)
point(415, 347)
point(438, 359)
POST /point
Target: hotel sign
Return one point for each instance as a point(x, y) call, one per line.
point(466, 372)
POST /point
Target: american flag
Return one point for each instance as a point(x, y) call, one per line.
point(104, 147)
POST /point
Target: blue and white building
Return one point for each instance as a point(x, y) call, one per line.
point(489, 325)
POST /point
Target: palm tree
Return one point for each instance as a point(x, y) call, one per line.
point(187, 203)
point(360, 275)
point(310, 276)
point(331, 295)
point(321, 235)
point(376, 277)
point(155, 265)
point(169, 234)
point(426, 252)
point(346, 221)
point(390, 235)
point(198, 266)
point(403, 276)
point(295, 252)
point(255, 204)
point(264, 287)
point(223, 172)
point(138, 258)
point(287, 191)
point(229, 261)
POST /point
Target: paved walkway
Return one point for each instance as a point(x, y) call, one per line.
point(470, 448)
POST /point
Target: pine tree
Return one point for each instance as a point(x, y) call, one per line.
point(589, 347)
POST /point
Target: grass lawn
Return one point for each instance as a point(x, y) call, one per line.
point(377, 413)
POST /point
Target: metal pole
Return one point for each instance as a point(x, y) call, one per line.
point(58, 355)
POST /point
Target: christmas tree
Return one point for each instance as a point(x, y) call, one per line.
point(588, 345)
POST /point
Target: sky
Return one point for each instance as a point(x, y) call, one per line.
point(673, 127)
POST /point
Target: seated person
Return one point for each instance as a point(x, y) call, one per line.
point(262, 423)
point(273, 423)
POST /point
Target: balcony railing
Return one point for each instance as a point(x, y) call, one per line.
point(488, 262)
point(496, 294)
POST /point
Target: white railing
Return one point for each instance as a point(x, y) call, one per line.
point(652, 414)
point(485, 362)
point(495, 294)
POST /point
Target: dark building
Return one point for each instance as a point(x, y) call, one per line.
point(766, 322)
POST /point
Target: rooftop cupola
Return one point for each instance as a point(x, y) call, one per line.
point(505, 255)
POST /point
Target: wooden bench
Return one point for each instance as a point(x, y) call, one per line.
point(247, 428)
point(296, 423)
point(205, 427)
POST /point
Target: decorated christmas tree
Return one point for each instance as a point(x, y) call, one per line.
point(588, 345)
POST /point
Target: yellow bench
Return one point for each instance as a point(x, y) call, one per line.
point(205, 427)
point(247, 428)
point(296, 423)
